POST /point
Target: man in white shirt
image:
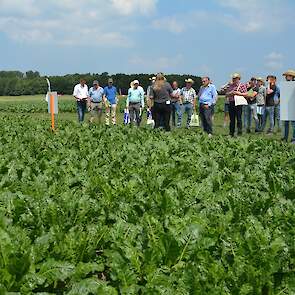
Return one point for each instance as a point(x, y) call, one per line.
point(81, 95)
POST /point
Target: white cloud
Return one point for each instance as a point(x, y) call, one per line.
point(274, 61)
point(173, 25)
point(102, 23)
point(251, 16)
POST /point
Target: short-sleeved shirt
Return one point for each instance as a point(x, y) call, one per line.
point(96, 94)
point(111, 94)
point(272, 98)
point(163, 94)
point(189, 95)
point(208, 95)
point(81, 92)
point(177, 93)
point(250, 92)
point(260, 98)
point(235, 87)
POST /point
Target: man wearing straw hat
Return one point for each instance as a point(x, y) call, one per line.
point(289, 76)
point(135, 102)
point(188, 97)
point(235, 112)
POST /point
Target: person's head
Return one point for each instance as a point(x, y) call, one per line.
point(160, 81)
point(271, 79)
point(175, 85)
point(205, 81)
point(95, 84)
point(189, 83)
point(153, 80)
point(252, 82)
point(260, 82)
point(82, 82)
point(236, 78)
point(110, 82)
point(289, 75)
point(135, 84)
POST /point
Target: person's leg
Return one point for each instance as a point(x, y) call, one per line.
point(247, 118)
point(202, 117)
point(293, 133)
point(131, 114)
point(189, 114)
point(167, 116)
point(184, 110)
point(255, 117)
point(271, 119)
point(179, 114)
point(239, 111)
point(99, 112)
point(137, 114)
point(107, 118)
point(244, 116)
point(114, 109)
point(208, 120)
point(232, 117)
point(79, 111)
point(286, 130)
point(156, 115)
point(173, 111)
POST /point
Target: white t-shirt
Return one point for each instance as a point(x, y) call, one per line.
point(81, 92)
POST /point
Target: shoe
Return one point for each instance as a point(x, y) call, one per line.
point(248, 131)
point(240, 133)
point(210, 135)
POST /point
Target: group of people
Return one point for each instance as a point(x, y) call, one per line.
point(163, 101)
point(168, 103)
point(263, 99)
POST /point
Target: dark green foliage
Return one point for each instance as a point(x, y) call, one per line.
point(96, 210)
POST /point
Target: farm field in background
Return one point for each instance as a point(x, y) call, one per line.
point(119, 210)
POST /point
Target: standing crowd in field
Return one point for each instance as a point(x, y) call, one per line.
point(257, 100)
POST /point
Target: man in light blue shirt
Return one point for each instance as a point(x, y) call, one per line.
point(135, 102)
point(96, 95)
point(110, 100)
point(207, 99)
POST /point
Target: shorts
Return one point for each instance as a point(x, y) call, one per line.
point(96, 107)
point(226, 107)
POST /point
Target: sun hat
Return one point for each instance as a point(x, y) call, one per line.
point(136, 82)
point(153, 78)
point(289, 73)
point(191, 81)
point(236, 75)
point(260, 79)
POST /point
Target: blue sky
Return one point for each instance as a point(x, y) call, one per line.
point(213, 37)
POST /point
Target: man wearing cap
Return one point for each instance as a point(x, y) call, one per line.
point(110, 100)
point(135, 102)
point(96, 96)
point(235, 112)
point(207, 98)
point(289, 76)
point(81, 95)
point(176, 105)
point(260, 100)
point(188, 97)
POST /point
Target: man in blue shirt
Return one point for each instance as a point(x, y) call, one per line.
point(207, 99)
point(110, 100)
point(95, 95)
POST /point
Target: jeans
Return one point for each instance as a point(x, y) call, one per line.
point(260, 113)
point(176, 110)
point(235, 115)
point(81, 108)
point(287, 128)
point(188, 109)
point(251, 110)
point(162, 113)
point(269, 112)
point(134, 111)
point(206, 117)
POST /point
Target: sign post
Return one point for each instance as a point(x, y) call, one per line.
point(52, 100)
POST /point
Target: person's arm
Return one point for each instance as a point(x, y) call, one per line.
point(142, 98)
point(277, 95)
point(195, 99)
point(75, 93)
point(104, 97)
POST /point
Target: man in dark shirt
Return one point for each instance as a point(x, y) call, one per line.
point(272, 94)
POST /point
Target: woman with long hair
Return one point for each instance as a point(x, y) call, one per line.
point(161, 94)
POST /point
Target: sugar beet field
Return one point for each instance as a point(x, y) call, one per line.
point(96, 210)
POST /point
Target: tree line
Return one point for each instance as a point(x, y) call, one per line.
point(16, 83)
